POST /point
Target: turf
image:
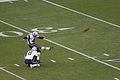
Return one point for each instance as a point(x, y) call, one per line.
point(101, 38)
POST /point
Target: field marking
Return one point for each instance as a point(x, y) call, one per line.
point(53, 61)
point(14, 26)
point(66, 47)
point(71, 59)
point(17, 65)
point(50, 29)
point(26, 0)
point(7, 0)
point(12, 73)
point(82, 13)
point(116, 79)
point(106, 54)
point(115, 60)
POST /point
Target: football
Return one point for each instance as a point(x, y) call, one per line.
point(85, 29)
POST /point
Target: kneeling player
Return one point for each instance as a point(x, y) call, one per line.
point(32, 58)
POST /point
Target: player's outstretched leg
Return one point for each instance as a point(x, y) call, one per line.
point(41, 47)
point(51, 48)
point(46, 48)
point(28, 65)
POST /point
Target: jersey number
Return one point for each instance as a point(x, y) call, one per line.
point(29, 53)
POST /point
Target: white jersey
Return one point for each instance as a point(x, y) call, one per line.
point(30, 54)
point(31, 38)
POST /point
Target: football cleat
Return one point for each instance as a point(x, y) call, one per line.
point(31, 66)
point(50, 48)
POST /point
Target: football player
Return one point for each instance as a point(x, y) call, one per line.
point(31, 41)
point(32, 58)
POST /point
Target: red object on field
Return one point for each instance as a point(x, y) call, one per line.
point(85, 29)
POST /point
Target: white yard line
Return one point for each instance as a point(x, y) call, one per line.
point(12, 73)
point(65, 47)
point(81, 13)
point(14, 26)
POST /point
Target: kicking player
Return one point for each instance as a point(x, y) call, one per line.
point(32, 58)
point(31, 41)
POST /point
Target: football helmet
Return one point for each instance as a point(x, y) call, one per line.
point(34, 48)
point(35, 33)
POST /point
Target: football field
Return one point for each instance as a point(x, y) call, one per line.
point(77, 55)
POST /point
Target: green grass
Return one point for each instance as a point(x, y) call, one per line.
point(101, 38)
point(104, 9)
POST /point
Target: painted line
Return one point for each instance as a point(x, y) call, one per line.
point(82, 13)
point(12, 73)
point(106, 54)
point(11, 2)
point(71, 59)
point(116, 79)
point(65, 47)
point(26, 0)
point(17, 65)
point(7, 0)
point(53, 61)
point(14, 26)
point(116, 60)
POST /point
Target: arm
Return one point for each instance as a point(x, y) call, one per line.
point(41, 37)
point(27, 37)
point(24, 38)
